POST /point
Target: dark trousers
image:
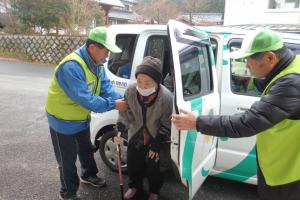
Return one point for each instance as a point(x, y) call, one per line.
point(66, 149)
point(289, 191)
point(140, 166)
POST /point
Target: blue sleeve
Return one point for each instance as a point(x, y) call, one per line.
point(107, 91)
point(125, 71)
point(71, 78)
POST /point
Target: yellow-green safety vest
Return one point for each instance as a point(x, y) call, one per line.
point(60, 105)
point(278, 147)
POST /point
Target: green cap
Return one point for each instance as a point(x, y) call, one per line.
point(260, 40)
point(99, 35)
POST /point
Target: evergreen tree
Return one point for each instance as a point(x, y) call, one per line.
point(75, 16)
point(41, 15)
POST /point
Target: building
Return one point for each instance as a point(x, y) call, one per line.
point(204, 19)
point(124, 15)
point(262, 12)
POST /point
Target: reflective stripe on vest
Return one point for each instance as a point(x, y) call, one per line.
point(60, 105)
point(278, 147)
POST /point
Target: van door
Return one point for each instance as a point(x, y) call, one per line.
point(236, 158)
point(196, 90)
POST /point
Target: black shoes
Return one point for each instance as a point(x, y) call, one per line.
point(94, 181)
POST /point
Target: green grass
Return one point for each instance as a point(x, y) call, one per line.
point(21, 56)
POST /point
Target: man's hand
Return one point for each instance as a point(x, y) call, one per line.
point(121, 105)
point(185, 120)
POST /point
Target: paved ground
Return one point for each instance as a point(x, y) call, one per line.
point(28, 168)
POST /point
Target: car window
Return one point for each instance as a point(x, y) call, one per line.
point(120, 63)
point(158, 47)
point(155, 47)
point(195, 72)
point(242, 82)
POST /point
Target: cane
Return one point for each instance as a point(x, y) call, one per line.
point(120, 168)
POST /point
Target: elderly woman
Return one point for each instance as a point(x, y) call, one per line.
point(147, 122)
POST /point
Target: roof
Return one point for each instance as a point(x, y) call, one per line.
point(199, 18)
point(117, 3)
point(130, 1)
point(135, 28)
point(138, 28)
point(277, 27)
point(286, 30)
point(244, 28)
point(121, 14)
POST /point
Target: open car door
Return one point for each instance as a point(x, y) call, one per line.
point(195, 90)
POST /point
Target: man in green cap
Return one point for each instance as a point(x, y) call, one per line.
point(79, 86)
point(274, 119)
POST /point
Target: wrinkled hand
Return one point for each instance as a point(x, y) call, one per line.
point(121, 105)
point(153, 155)
point(185, 120)
point(117, 140)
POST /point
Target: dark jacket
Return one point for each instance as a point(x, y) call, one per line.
point(157, 115)
point(281, 102)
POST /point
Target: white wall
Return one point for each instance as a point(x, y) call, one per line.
point(257, 12)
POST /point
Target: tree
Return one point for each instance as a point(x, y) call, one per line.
point(217, 6)
point(7, 20)
point(204, 6)
point(162, 10)
point(22, 10)
point(41, 15)
point(83, 13)
point(159, 11)
point(50, 14)
point(45, 15)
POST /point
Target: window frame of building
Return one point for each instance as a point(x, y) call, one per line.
point(284, 4)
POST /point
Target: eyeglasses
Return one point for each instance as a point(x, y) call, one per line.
point(99, 46)
point(257, 56)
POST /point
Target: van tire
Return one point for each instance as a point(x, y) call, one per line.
point(108, 151)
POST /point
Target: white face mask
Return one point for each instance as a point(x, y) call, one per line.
point(145, 92)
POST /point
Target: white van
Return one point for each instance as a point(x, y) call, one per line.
point(206, 81)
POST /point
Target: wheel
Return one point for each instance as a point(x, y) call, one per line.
point(108, 151)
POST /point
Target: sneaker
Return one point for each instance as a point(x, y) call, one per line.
point(70, 198)
point(153, 196)
point(130, 193)
point(94, 181)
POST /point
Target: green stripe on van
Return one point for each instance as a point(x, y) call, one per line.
point(244, 170)
point(188, 156)
point(225, 47)
point(188, 152)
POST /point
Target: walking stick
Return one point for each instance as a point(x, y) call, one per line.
point(120, 168)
